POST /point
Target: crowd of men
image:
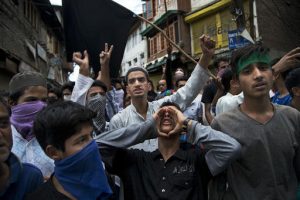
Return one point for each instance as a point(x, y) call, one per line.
point(100, 139)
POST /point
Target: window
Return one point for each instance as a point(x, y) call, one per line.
point(171, 32)
point(149, 9)
point(142, 55)
point(145, 10)
point(30, 12)
point(151, 46)
point(135, 60)
point(162, 42)
point(154, 45)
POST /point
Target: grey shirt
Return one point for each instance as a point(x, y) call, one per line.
point(270, 160)
point(183, 97)
point(221, 148)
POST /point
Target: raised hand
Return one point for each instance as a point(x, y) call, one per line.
point(158, 115)
point(208, 49)
point(179, 118)
point(175, 114)
point(83, 62)
point(105, 55)
point(104, 62)
point(288, 61)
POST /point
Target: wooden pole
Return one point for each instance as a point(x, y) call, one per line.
point(167, 38)
point(173, 43)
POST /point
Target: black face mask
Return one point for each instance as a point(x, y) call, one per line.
point(97, 104)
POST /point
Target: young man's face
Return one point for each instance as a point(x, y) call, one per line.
point(138, 85)
point(66, 93)
point(167, 121)
point(222, 65)
point(118, 86)
point(93, 91)
point(52, 95)
point(256, 80)
point(5, 134)
point(78, 141)
point(179, 73)
point(162, 85)
point(33, 93)
point(181, 84)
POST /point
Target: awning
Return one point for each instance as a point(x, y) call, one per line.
point(160, 21)
point(155, 65)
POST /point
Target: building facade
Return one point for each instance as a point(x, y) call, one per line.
point(214, 18)
point(135, 53)
point(272, 23)
point(170, 18)
point(30, 34)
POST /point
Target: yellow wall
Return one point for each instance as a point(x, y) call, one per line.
point(215, 21)
point(155, 78)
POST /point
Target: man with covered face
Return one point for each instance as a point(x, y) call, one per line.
point(27, 96)
point(16, 178)
point(98, 95)
point(169, 172)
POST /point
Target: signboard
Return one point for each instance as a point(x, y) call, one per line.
point(236, 41)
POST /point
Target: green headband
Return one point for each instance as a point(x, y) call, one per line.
point(255, 57)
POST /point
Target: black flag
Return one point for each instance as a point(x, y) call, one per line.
point(89, 24)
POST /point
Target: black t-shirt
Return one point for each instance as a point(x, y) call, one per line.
point(209, 93)
point(47, 191)
point(146, 175)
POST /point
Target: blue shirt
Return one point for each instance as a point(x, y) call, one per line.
point(24, 178)
point(286, 100)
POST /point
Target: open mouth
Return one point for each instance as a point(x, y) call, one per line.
point(166, 122)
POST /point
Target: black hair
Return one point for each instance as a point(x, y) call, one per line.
point(218, 60)
point(184, 78)
point(4, 93)
point(98, 83)
point(226, 78)
point(56, 91)
point(59, 121)
point(134, 69)
point(293, 80)
point(5, 104)
point(68, 85)
point(245, 52)
point(169, 103)
point(116, 80)
point(13, 97)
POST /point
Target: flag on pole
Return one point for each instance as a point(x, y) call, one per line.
point(89, 24)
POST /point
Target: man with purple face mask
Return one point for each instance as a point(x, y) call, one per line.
point(27, 96)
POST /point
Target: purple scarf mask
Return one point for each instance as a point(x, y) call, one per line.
point(23, 116)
